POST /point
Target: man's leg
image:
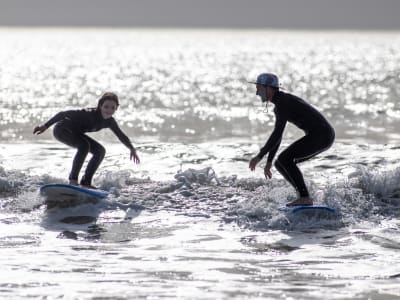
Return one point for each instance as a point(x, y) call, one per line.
point(301, 150)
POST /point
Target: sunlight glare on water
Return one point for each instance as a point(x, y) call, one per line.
point(173, 84)
point(191, 221)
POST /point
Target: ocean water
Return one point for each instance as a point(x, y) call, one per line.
point(191, 221)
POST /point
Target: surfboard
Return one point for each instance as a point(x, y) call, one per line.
point(310, 208)
point(66, 195)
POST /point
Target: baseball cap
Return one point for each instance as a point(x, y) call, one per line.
point(267, 79)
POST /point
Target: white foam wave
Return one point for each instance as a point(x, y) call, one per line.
point(250, 202)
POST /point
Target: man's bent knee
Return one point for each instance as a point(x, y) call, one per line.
point(99, 151)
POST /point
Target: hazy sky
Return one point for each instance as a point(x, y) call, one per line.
point(303, 14)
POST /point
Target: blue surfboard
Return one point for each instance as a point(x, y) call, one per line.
point(66, 195)
point(315, 208)
point(54, 189)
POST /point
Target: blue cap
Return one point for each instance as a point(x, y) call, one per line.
point(267, 79)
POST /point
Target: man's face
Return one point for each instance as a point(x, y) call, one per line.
point(262, 92)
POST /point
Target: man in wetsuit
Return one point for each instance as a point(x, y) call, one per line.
point(319, 135)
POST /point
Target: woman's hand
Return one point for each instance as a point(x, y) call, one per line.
point(267, 170)
point(134, 156)
point(39, 129)
point(253, 163)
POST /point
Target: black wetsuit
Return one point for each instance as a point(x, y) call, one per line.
point(71, 128)
point(319, 136)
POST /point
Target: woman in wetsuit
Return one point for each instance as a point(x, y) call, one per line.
point(70, 129)
point(319, 135)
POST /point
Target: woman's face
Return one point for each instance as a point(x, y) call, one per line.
point(108, 109)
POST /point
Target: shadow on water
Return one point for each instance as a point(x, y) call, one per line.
point(288, 241)
point(81, 219)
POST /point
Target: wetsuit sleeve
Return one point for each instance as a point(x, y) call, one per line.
point(61, 116)
point(273, 151)
point(274, 141)
point(120, 135)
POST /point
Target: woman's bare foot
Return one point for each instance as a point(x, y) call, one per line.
point(302, 201)
point(73, 182)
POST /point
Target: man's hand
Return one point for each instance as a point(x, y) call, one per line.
point(267, 170)
point(253, 163)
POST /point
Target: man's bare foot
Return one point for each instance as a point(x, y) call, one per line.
point(302, 201)
point(73, 182)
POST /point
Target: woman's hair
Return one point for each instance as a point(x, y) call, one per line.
point(107, 96)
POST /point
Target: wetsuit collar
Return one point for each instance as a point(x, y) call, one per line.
point(276, 97)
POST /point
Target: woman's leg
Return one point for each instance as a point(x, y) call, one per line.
point(75, 140)
point(98, 152)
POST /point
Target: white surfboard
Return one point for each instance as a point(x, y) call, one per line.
point(66, 195)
